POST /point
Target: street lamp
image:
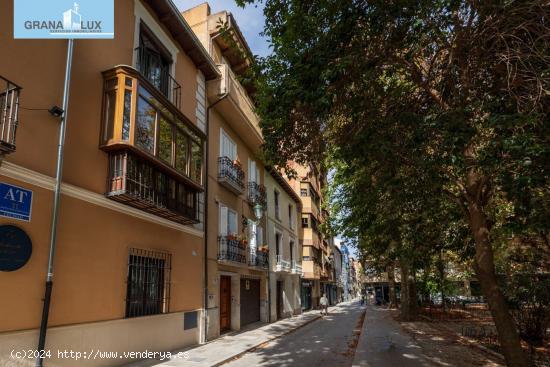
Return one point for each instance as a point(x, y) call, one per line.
point(258, 211)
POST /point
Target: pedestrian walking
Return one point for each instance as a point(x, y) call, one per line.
point(324, 304)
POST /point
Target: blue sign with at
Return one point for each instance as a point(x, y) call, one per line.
point(15, 202)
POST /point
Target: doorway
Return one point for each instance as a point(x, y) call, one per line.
point(225, 303)
point(250, 301)
point(279, 300)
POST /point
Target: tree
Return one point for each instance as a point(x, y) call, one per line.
point(459, 91)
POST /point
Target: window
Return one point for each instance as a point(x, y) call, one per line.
point(305, 222)
point(277, 243)
point(176, 143)
point(277, 211)
point(291, 245)
point(228, 221)
point(145, 125)
point(290, 216)
point(253, 171)
point(228, 148)
point(154, 60)
point(303, 192)
point(196, 162)
point(148, 283)
point(165, 140)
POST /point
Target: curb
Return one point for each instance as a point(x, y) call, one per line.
point(259, 345)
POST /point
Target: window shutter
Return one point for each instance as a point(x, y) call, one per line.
point(222, 143)
point(232, 220)
point(233, 150)
point(259, 236)
point(258, 175)
point(251, 233)
point(223, 220)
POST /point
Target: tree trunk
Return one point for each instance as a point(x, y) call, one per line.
point(391, 281)
point(441, 271)
point(404, 291)
point(485, 268)
point(409, 307)
point(413, 299)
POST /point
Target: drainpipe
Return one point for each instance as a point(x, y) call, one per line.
point(55, 208)
point(268, 272)
point(223, 96)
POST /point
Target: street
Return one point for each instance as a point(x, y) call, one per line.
point(329, 341)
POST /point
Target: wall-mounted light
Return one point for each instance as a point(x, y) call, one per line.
point(56, 111)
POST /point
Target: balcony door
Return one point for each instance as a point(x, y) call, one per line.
point(154, 60)
point(225, 303)
point(228, 148)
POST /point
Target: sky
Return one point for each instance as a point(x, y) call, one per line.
point(250, 20)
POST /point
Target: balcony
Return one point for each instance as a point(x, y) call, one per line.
point(231, 175)
point(136, 182)
point(281, 264)
point(296, 267)
point(238, 109)
point(257, 194)
point(151, 66)
point(259, 259)
point(156, 154)
point(231, 249)
point(9, 115)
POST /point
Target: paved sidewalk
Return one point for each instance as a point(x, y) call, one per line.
point(232, 345)
point(384, 344)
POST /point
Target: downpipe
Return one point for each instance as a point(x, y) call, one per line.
point(205, 276)
point(55, 208)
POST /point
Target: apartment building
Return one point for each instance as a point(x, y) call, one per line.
point(130, 242)
point(338, 265)
point(237, 252)
point(283, 238)
point(328, 269)
point(307, 184)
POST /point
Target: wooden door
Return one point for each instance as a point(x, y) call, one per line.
point(225, 303)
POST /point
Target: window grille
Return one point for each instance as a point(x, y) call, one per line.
point(148, 285)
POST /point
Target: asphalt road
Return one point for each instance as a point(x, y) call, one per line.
point(327, 342)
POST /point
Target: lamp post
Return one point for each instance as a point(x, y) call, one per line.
point(258, 214)
point(258, 211)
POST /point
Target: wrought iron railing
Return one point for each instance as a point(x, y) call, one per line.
point(282, 265)
point(259, 259)
point(230, 172)
point(9, 114)
point(257, 194)
point(296, 267)
point(137, 182)
point(151, 65)
point(231, 249)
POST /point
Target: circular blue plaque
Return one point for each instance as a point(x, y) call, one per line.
point(15, 248)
